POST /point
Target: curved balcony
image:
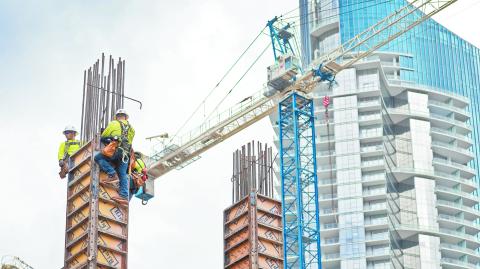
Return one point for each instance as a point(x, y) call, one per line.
point(455, 152)
point(451, 167)
point(468, 198)
point(407, 230)
point(460, 250)
point(456, 263)
point(460, 112)
point(448, 122)
point(455, 222)
point(447, 135)
point(399, 114)
point(455, 208)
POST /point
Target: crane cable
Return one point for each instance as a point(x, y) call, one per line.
point(217, 85)
point(236, 83)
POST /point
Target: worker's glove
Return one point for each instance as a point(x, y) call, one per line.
point(61, 163)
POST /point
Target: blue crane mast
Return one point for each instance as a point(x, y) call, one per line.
point(298, 167)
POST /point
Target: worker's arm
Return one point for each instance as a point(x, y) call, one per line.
point(131, 135)
point(61, 151)
point(107, 136)
point(108, 131)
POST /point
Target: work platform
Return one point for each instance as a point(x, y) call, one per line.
point(96, 227)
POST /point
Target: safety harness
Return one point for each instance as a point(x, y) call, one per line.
point(124, 146)
point(67, 146)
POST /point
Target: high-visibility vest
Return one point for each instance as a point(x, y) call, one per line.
point(68, 148)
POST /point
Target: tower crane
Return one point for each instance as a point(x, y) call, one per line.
point(287, 91)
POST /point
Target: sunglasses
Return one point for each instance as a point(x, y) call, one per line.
point(69, 132)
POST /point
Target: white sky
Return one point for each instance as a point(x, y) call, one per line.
point(175, 52)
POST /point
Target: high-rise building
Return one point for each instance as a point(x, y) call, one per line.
point(398, 160)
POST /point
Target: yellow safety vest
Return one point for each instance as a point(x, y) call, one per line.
point(68, 148)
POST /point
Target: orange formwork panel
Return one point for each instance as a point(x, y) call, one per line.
point(96, 227)
point(253, 234)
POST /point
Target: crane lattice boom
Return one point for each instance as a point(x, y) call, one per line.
point(180, 153)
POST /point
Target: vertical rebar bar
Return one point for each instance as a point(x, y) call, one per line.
point(102, 95)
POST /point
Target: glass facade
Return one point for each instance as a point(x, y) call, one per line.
point(396, 150)
point(430, 54)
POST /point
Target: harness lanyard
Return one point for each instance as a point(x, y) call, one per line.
point(124, 139)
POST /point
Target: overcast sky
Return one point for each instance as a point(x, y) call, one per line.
point(175, 52)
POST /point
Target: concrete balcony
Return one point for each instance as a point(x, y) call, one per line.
point(458, 251)
point(456, 264)
point(447, 135)
point(453, 208)
point(451, 194)
point(460, 112)
point(449, 166)
point(445, 122)
point(455, 152)
point(452, 222)
point(450, 235)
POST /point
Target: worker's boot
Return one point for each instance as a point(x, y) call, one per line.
point(120, 200)
point(111, 180)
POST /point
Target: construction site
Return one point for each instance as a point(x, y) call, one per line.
point(338, 134)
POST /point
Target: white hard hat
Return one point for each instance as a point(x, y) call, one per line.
point(70, 128)
point(121, 111)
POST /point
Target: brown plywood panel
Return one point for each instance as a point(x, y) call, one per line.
point(269, 205)
point(269, 219)
point(82, 154)
point(78, 186)
point(110, 257)
point(237, 238)
point(112, 242)
point(269, 248)
point(107, 192)
point(112, 210)
point(236, 225)
point(77, 248)
point(242, 264)
point(271, 234)
point(78, 216)
point(269, 263)
point(236, 210)
point(79, 200)
point(77, 232)
point(78, 175)
point(238, 252)
point(78, 262)
point(112, 227)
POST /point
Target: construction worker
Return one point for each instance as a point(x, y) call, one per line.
point(121, 131)
point(139, 173)
point(67, 149)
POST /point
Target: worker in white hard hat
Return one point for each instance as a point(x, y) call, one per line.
point(121, 131)
point(67, 149)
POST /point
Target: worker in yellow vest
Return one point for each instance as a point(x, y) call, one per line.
point(139, 173)
point(122, 132)
point(67, 149)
